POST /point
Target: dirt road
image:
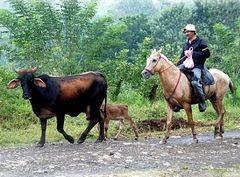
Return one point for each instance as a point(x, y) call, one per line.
point(146, 157)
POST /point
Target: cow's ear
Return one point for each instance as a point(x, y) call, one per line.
point(13, 84)
point(39, 82)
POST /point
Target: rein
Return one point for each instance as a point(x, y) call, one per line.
point(165, 69)
point(175, 88)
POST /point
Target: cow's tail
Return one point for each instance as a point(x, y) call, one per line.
point(231, 86)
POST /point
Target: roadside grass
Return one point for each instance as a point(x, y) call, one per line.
point(19, 125)
point(173, 171)
point(25, 129)
point(32, 133)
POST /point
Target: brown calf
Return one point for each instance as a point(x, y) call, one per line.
point(118, 112)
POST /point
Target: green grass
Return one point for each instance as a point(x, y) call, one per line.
point(19, 126)
point(31, 134)
point(185, 171)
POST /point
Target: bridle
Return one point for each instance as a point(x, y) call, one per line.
point(179, 76)
point(158, 59)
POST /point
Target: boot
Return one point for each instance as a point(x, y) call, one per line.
point(202, 106)
point(198, 90)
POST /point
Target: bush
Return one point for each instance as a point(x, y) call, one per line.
point(14, 111)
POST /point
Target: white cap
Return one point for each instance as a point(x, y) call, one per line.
point(189, 27)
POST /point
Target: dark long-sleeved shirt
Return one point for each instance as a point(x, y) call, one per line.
point(200, 52)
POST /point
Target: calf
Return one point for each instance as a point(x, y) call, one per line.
point(57, 96)
point(118, 112)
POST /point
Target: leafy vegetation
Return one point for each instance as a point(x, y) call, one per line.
point(69, 38)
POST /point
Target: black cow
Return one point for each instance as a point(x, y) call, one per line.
point(57, 96)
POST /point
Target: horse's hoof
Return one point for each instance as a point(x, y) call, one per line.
point(219, 137)
point(136, 138)
point(115, 138)
point(195, 140)
point(99, 141)
point(80, 141)
point(163, 142)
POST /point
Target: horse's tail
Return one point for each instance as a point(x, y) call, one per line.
point(231, 86)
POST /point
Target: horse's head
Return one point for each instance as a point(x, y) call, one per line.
point(153, 64)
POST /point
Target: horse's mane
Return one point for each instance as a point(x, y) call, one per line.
point(165, 58)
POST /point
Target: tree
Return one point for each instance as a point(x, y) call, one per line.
point(167, 29)
point(76, 19)
point(138, 27)
point(102, 41)
point(43, 34)
point(146, 87)
point(34, 27)
point(207, 13)
point(133, 7)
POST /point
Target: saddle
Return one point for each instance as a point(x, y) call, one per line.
point(206, 78)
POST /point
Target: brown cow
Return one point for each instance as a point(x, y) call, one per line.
point(118, 112)
point(58, 96)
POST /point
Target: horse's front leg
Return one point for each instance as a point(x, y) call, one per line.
point(169, 124)
point(188, 109)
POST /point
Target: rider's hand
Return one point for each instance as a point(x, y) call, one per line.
point(188, 53)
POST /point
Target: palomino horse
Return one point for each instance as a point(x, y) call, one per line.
point(178, 92)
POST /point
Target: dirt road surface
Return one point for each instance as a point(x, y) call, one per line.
point(146, 157)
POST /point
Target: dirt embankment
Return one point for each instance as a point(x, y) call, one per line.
point(160, 124)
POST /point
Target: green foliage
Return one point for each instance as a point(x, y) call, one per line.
point(36, 26)
point(19, 126)
point(136, 32)
point(102, 42)
point(43, 34)
point(69, 39)
point(225, 49)
point(207, 13)
point(14, 112)
point(142, 85)
point(76, 18)
point(167, 29)
point(132, 7)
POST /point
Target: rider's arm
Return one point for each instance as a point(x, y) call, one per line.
point(204, 51)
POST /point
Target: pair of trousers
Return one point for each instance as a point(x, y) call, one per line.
point(195, 74)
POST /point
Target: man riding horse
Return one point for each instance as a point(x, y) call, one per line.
point(194, 54)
